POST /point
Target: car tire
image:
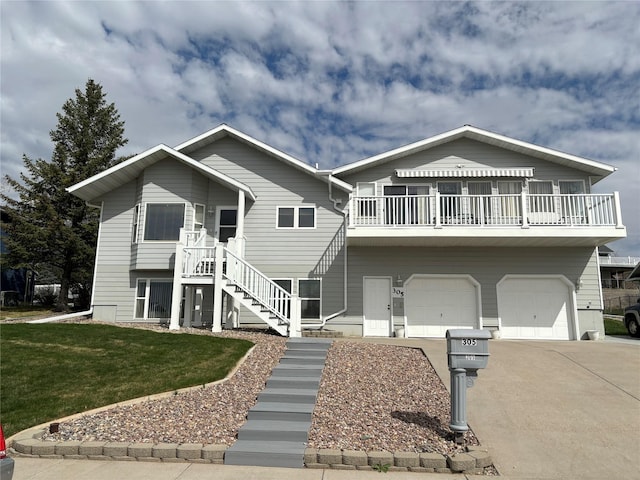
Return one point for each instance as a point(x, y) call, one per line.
point(633, 327)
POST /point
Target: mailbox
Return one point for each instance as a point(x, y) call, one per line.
point(468, 348)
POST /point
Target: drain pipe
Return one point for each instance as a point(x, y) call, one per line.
point(336, 202)
point(66, 316)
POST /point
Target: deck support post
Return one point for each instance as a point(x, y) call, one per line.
point(217, 290)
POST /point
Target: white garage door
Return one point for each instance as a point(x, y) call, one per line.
point(534, 308)
point(435, 304)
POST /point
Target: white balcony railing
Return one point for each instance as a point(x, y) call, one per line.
point(437, 210)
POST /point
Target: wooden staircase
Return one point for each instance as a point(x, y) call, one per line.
point(227, 271)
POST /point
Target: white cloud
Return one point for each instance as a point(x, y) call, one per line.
point(332, 82)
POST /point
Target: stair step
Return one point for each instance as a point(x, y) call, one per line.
point(294, 370)
point(306, 352)
point(292, 412)
point(294, 382)
point(291, 395)
point(298, 360)
point(266, 454)
point(275, 431)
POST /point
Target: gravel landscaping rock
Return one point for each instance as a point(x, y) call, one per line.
point(372, 398)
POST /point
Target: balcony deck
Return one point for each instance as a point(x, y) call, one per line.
point(485, 220)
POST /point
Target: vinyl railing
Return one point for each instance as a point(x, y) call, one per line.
point(260, 287)
point(480, 210)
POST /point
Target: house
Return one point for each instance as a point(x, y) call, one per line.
point(614, 270)
point(464, 229)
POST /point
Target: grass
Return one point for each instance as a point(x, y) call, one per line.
point(614, 327)
point(49, 371)
point(25, 312)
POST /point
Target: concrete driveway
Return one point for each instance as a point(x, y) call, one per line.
point(550, 410)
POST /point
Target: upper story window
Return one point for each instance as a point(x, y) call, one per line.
point(136, 220)
point(163, 221)
point(198, 217)
point(296, 217)
point(572, 187)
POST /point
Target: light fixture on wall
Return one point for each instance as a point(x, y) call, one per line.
point(211, 210)
point(578, 285)
point(399, 280)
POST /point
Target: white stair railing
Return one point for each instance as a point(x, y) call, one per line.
point(258, 286)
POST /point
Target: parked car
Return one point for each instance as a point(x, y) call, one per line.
point(632, 319)
point(6, 463)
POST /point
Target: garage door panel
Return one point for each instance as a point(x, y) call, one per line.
point(435, 304)
point(534, 308)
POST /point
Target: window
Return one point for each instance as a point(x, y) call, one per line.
point(450, 201)
point(283, 305)
point(541, 199)
point(573, 201)
point(410, 205)
point(509, 192)
point(227, 223)
point(309, 293)
point(296, 217)
point(163, 221)
point(367, 204)
point(136, 219)
point(572, 187)
point(480, 202)
point(153, 299)
point(198, 217)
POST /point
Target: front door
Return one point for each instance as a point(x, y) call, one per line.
point(377, 307)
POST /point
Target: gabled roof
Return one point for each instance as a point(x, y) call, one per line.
point(597, 169)
point(224, 130)
point(128, 170)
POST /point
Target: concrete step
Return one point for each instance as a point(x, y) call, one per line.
point(303, 360)
point(295, 370)
point(309, 382)
point(310, 341)
point(274, 431)
point(291, 395)
point(266, 454)
point(289, 412)
point(306, 352)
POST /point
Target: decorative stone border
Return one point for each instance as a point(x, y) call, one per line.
point(30, 443)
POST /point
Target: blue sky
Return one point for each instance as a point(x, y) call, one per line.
point(334, 82)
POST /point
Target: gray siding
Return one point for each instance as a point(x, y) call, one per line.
point(284, 253)
point(486, 265)
point(469, 154)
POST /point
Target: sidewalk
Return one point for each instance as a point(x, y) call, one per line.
point(45, 469)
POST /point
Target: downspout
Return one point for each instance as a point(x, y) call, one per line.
point(335, 202)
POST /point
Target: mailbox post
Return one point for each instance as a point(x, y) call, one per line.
point(467, 352)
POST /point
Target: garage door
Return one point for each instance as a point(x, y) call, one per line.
point(535, 308)
point(434, 304)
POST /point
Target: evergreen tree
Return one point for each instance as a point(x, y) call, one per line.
point(49, 228)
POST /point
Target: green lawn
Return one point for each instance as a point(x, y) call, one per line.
point(48, 371)
point(614, 327)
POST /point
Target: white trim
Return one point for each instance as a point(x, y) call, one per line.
point(572, 309)
point(204, 215)
point(474, 133)
point(144, 226)
point(296, 217)
point(147, 294)
point(129, 169)
point(219, 208)
point(464, 276)
point(221, 130)
point(301, 298)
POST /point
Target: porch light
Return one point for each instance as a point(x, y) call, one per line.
point(211, 210)
point(399, 280)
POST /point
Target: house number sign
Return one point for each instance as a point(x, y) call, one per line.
point(397, 292)
point(469, 342)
